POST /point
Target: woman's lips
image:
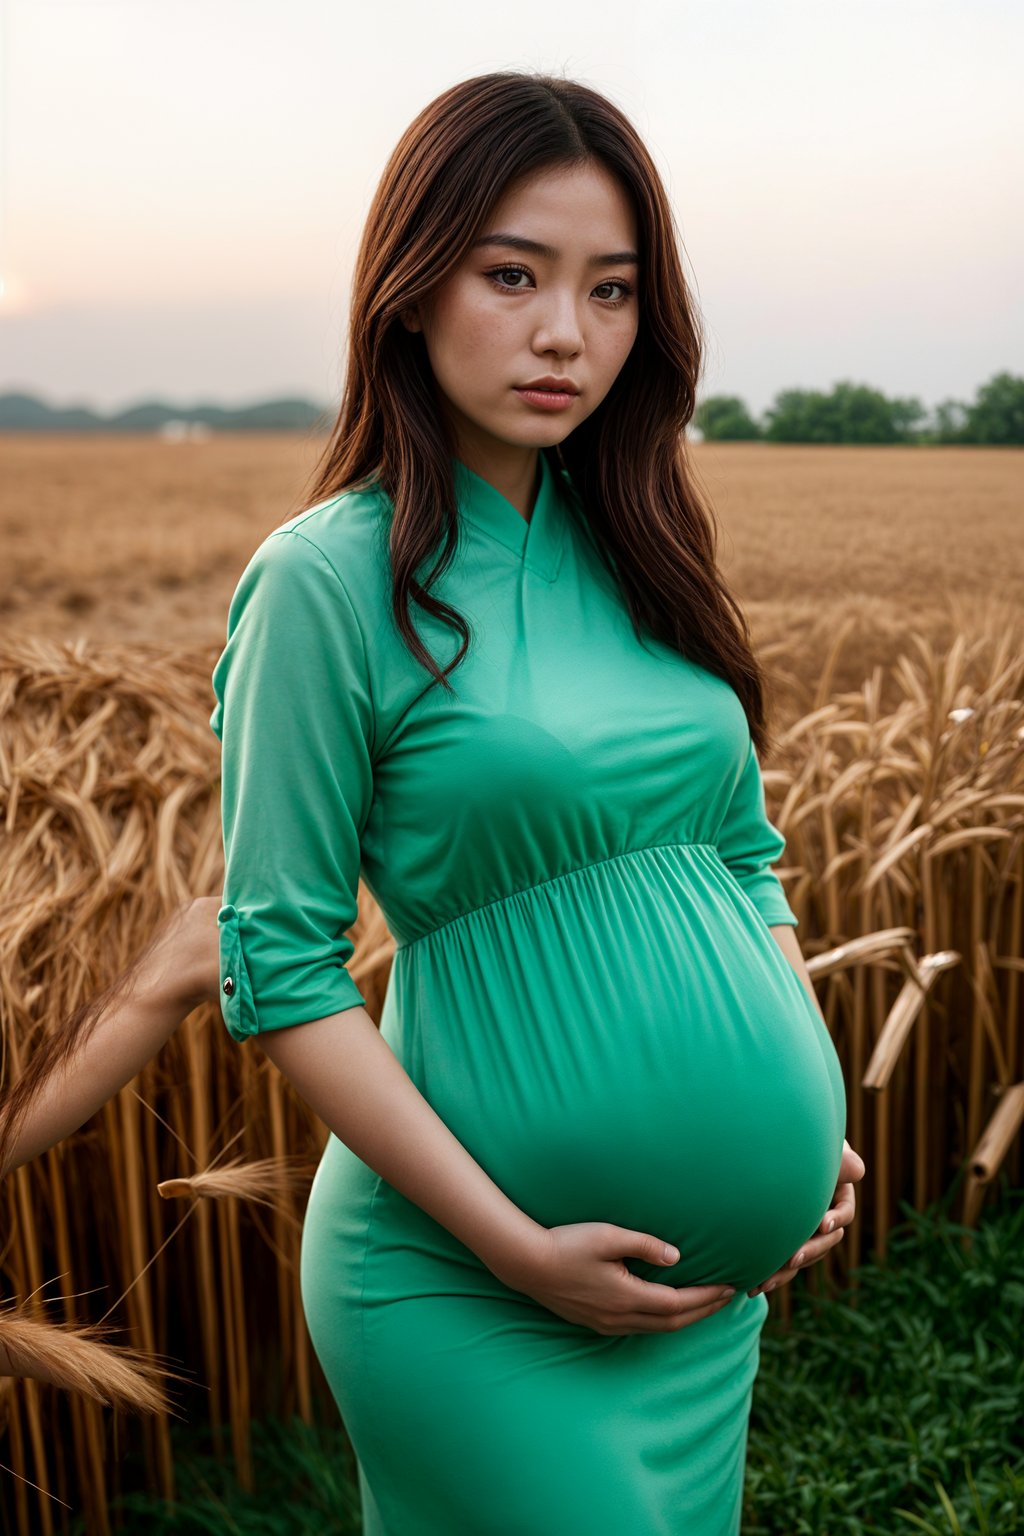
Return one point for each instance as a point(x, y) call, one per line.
point(547, 399)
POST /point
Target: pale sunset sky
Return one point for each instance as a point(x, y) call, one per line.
point(183, 182)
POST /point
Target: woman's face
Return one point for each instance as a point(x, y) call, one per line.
point(511, 315)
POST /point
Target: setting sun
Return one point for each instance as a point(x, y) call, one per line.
point(14, 294)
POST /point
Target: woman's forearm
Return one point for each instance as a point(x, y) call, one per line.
point(785, 935)
point(107, 1041)
point(348, 1074)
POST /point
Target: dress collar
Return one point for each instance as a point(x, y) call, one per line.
point(539, 543)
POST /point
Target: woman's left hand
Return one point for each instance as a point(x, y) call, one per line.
point(830, 1229)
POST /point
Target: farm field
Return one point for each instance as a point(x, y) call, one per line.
point(902, 825)
point(140, 540)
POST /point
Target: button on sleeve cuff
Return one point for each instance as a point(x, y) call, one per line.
point(303, 992)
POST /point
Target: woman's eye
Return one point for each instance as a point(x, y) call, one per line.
point(510, 272)
point(614, 283)
point(505, 277)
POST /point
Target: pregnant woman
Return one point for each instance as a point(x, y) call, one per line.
point(493, 668)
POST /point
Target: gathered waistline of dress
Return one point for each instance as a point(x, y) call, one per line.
point(537, 885)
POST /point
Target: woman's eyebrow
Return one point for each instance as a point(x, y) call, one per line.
point(537, 248)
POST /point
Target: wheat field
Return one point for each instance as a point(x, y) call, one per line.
point(140, 539)
point(885, 590)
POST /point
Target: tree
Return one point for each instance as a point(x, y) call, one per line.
point(856, 413)
point(997, 415)
point(725, 417)
point(950, 422)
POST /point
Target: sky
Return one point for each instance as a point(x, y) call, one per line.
point(183, 183)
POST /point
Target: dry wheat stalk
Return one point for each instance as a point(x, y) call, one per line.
point(76, 1360)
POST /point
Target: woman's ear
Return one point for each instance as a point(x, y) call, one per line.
point(410, 319)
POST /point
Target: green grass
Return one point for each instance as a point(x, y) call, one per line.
point(899, 1415)
point(305, 1485)
point(905, 1412)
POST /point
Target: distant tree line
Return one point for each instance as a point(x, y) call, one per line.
point(29, 413)
point(850, 413)
point(855, 413)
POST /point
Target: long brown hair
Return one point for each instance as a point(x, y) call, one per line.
point(628, 460)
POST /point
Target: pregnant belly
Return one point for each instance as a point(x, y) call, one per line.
point(669, 1074)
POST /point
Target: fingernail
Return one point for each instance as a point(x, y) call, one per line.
point(671, 1254)
point(830, 1224)
point(730, 1290)
point(800, 1257)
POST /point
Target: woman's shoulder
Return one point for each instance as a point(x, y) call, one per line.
point(338, 546)
point(348, 529)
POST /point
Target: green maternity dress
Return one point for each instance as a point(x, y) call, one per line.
point(573, 855)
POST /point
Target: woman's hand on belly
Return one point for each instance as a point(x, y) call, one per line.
point(577, 1271)
point(832, 1227)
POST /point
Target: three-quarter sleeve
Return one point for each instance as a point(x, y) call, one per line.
point(749, 844)
point(294, 715)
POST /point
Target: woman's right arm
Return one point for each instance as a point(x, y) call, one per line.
point(348, 1074)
